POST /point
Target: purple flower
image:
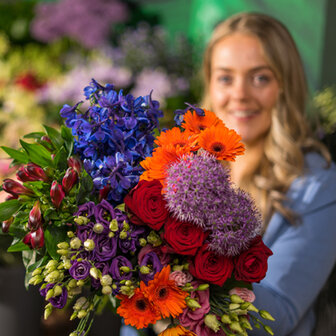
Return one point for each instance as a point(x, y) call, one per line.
point(80, 269)
point(115, 271)
point(199, 190)
point(190, 318)
point(104, 268)
point(104, 213)
point(58, 301)
point(106, 248)
point(86, 209)
point(152, 261)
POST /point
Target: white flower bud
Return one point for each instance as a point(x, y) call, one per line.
point(75, 243)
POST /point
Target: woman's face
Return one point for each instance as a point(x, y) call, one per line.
point(243, 88)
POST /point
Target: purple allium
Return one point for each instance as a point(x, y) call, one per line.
point(199, 190)
point(80, 269)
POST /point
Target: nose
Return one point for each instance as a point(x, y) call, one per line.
point(240, 89)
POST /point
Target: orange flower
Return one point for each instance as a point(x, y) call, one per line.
point(137, 310)
point(196, 124)
point(177, 331)
point(222, 142)
point(176, 138)
point(164, 294)
point(155, 166)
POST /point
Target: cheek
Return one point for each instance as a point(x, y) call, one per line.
point(217, 95)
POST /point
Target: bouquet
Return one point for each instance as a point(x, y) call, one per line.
point(109, 211)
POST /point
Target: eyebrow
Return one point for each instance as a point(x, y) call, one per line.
point(258, 68)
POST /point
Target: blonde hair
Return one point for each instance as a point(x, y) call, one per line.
point(289, 137)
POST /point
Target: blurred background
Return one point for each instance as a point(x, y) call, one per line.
point(50, 50)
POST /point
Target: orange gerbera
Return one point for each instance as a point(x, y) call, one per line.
point(155, 166)
point(164, 294)
point(137, 310)
point(177, 331)
point(196, 124)
point(222, 142)
point(177, 138)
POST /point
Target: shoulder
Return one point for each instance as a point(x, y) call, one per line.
point(315, 188)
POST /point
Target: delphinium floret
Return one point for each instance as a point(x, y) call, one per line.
point(113, 136)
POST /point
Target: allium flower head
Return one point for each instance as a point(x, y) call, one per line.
point(199, 190)
point(194, 187)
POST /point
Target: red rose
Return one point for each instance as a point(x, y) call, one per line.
point(146, 204)
point(184, 237)
point(251, 265)
point(211, 267)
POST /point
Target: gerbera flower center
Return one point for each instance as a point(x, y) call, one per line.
point(217, 147)
point(141, 304)
point(162, 293)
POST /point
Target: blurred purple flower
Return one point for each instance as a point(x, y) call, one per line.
point(86, 21)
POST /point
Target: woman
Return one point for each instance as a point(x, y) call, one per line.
point(254, 81)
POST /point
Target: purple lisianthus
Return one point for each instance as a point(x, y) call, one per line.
point(128, 244)
point(86, 209)
point(80, 269)
point(191, 317)
point(58, 301)
point(152, 261)
point(115, 271)
point(104, 268)
point(106, 248)
point(104, 213)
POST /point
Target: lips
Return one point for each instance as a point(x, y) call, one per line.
point(243, 113)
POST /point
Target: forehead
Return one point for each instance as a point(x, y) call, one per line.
point(238, 52)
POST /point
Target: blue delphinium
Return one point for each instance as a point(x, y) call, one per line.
point(113, 136)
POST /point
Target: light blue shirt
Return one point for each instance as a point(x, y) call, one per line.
point(303, 254)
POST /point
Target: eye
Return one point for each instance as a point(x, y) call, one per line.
point(225, 79)
point(261, 80)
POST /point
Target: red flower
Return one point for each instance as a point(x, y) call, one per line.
point(15, 188)
point(211, 267)
point(35, 217)
point(6, 224)
point(70, 179)
point(74, 163)
point(28, 81)
point(34, 239)
point(184, 237)
point(251, 265)
point(56, 194)
point(146, 204)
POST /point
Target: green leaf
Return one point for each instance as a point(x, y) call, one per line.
point(31, 266)
point(54, 136)
point(86, 186)
point(37, 154)
point(8, 209)
point(68, 139)
point(18, 247)
point(19, 156)
point(34, 135)
point(60, 160)
point(53, 236)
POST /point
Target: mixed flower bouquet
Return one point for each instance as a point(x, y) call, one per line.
point(110, 210)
